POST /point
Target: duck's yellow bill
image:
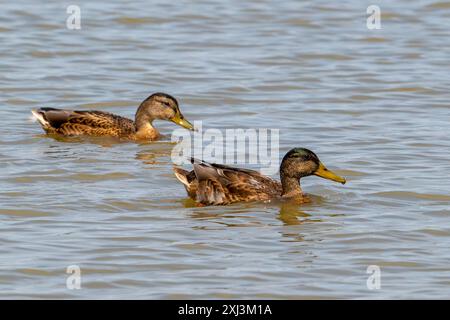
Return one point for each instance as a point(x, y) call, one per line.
point(323, 172)
point(182, 122)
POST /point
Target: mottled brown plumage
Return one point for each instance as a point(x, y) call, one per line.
point(99, 123)
point(215, 184)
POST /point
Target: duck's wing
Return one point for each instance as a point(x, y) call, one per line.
point(51, 117)
point(73, 122)
point(218, 184)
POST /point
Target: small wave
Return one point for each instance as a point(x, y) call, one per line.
point(413, 195)
point(134, 20)
point(25, 213)
point(439, 5)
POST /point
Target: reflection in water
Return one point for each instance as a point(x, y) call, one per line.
point(298, 208)
point(116, 206)
point(229, 216)
point(101, 141)
point(155, 153)
point(290, 214)
point(57, 152)
point(243, 215)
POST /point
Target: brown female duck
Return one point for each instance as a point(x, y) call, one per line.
point(98, 123)
point(215, 184)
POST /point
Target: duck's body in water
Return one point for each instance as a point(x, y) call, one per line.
point(215, 184)
point(98, 123)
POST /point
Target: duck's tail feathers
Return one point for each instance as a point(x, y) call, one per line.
point(39, 116)
point(181, 175)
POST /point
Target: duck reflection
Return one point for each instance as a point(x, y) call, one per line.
point(106, 142)
point(231, 216)
point(293, 212)
point(290, 214)
point(155, 153)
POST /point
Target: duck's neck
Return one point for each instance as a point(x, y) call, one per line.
point(290, 185)
point(144, 127)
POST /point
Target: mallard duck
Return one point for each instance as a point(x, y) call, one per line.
point(98, 123)
point(216, 184)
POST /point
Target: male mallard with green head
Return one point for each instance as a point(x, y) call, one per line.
point(98, 123)
point(216, 184)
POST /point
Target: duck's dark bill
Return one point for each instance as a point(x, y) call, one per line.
point(323, 172)
point(182, 122)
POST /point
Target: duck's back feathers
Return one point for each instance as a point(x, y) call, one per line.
point(215, 184)
point(98, 123)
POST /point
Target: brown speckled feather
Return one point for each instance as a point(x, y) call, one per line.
point(215, 184)
point(158, 106)
point(95, 123)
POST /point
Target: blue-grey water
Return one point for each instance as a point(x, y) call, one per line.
point(373, 104)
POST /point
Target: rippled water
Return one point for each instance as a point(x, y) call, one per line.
point(374, 104)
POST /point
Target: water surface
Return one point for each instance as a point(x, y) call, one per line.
point(374, 104)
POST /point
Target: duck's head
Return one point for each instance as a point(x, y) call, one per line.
point(164, 107)
point(301, 162)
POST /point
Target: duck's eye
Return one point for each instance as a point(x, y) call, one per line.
point(168, 105)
